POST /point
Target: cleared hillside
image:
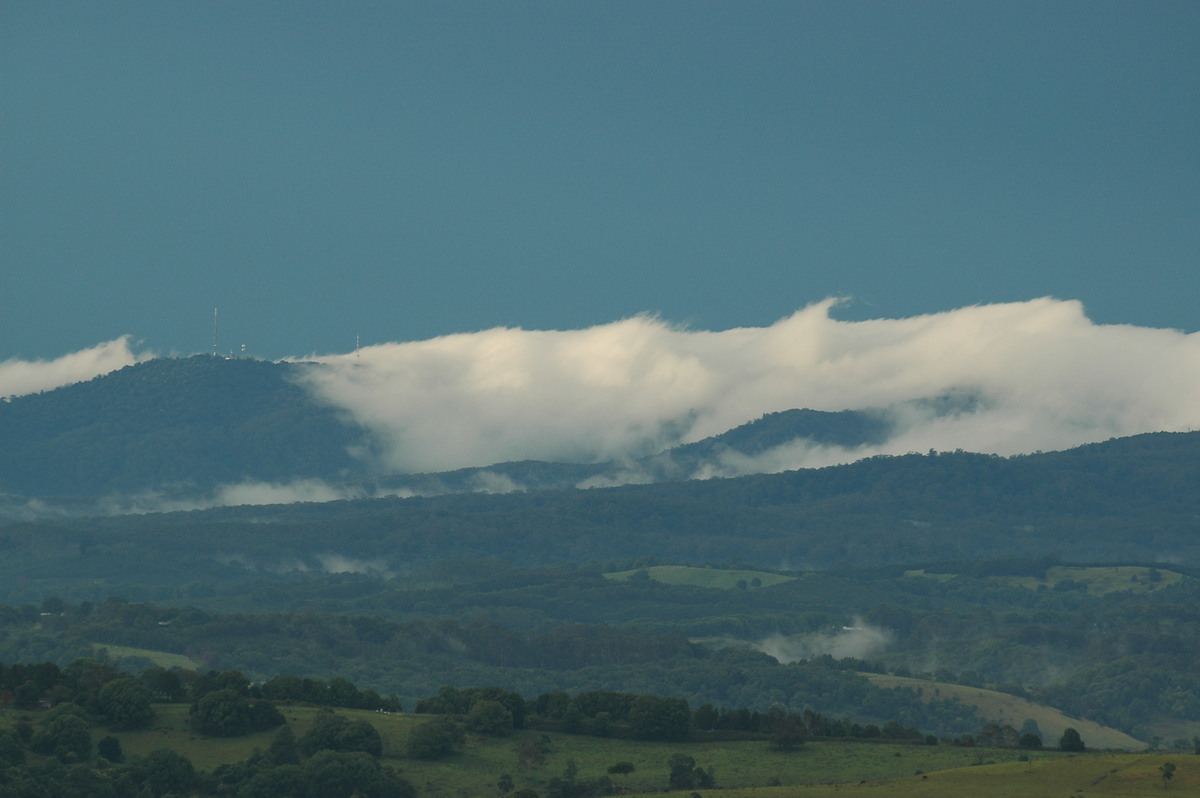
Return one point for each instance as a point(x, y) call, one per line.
point(1014, 711)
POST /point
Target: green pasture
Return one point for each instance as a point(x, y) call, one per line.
point(163, 659)
point(1101, 580)
point(735, 764)
point(1091, 775)
point(722, 578)
point(476, 769)
point(742, 768)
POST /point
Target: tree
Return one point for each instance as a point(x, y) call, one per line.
point(572, 719)
point(281, 781)
point(11, 752)
point(343, 693)
point(125, 702)
point(786, 730)
point(63, 731)
point(1029, 741)
point(685, 775)
point(109, 747)
point(228, 713)
point(164, 684)
point(342, 774)
point(621, 769)
point(1167, 769)
point(705, 717)
point(283, 749)
point(164, 771)
point(222, 713)
point(333, 732)
point(490, 717)
point(655, 718)
point(435, 739)
point(1070, 741)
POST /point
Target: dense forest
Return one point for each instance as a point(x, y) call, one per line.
point(1130, 499)
point(1114, 644)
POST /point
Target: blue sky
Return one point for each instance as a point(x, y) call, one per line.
point(405, 170)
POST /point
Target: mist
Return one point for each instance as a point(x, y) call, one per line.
point(1043, 377)
point(859, 641)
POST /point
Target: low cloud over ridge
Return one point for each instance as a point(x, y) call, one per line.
point(1046, 378)
point(21, 377)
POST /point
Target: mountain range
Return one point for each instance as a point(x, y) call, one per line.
point(181, 428)
point(174, 428)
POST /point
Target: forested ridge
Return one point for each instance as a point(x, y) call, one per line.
point(1131, 499)
point(187, 423)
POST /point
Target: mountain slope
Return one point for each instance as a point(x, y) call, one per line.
point(1129, 500)
point(193, 422)
point(185, 426)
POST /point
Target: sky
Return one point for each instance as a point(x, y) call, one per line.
point(389, 172)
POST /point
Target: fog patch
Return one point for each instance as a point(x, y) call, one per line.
point(785, 457)
point(493, 482)
point(183, 498)
point(302, 490)
point(339, 564)
point(626, 475)
point(859, 641)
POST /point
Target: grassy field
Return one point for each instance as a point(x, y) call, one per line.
point(1013, 710)
point(1102, 579)
point(751, 769)
point(476, 770)
point(162, 659)
point(725, 579)
point(1100, 775)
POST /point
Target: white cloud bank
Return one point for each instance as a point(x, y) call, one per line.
point(21, 377)
point(1048, 377)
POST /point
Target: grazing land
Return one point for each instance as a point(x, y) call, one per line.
point(742, 769)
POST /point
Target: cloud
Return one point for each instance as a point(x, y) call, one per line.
point(239, 494)
point(1044, 376)
point(21, 377)
point(339, 564)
